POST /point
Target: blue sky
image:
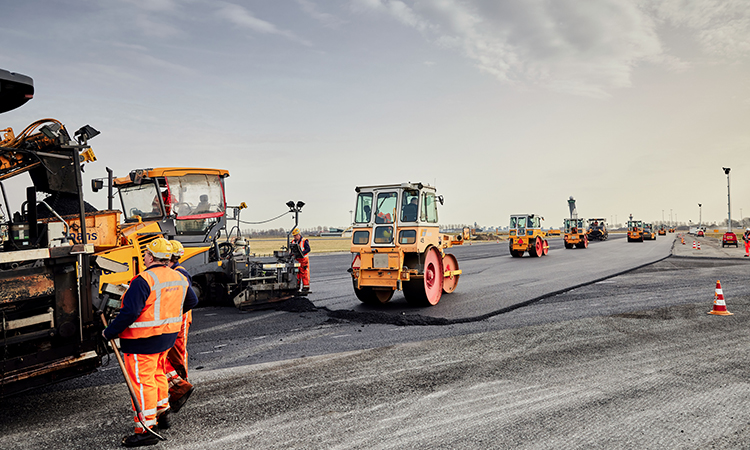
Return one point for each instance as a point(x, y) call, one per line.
point(630, 106)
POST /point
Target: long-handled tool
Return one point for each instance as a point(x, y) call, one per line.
point(131, 389)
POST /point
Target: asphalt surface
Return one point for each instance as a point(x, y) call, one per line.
point(625, 361)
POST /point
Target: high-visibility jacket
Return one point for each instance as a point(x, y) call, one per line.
point(163, 311)
point(304, 246)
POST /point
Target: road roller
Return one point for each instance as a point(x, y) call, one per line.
point(526, 235)
point(397, 245)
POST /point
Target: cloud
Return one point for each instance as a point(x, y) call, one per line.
point(721, 27)
point(155, 28)
point(155, 5)
point(581, 48)
point(243, 18)
point(311, 9)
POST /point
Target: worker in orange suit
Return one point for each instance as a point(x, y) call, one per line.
point(303, 277)
point(148, 323)
point(746, 238)
point(177, 357)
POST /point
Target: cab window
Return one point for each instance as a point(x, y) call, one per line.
point(386, 208)
point(429, 208)
point(198, 195)
point(364, 208)
point(140, 200)
point(383, 235)
point(409, 205)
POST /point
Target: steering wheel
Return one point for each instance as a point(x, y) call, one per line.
point(178, 207)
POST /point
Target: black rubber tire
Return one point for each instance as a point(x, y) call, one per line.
point(369, 296)
point(414, 292)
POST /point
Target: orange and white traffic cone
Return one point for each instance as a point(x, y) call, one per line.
point(720, 307)
point(699, 245)
point(694, 247)
point(683, 240)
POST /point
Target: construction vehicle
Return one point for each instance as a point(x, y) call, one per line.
point(575, 230)
point(48, 331)
point(397, 245)
point(188, 204)
point(597, 230)
point(635, 230)
point(575, 234)
point(662, 230)
point(526, 235)
point(648, 232)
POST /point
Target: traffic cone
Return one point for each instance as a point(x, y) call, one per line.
point(699, 245)
point(720, 308)
point(683, 241)
point(694, 247)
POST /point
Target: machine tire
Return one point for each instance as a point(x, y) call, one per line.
point(568, 245)
point(545, 247)
point(449, 283)
point(538, 248)
point(371, 296)
point(428, 290)
point(217, 294)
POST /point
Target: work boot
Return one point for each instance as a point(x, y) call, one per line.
point(305, 289)
point(175, 404)
point(140, 440)
point(163, 421)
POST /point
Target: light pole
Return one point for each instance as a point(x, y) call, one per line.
point(671, 223)
point(295, 208)
point(351, 217)
point(729, 203)
point(700, 214)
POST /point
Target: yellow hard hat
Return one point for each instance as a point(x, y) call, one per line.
point(295, 232)
point(177, 248)
point(160, 248)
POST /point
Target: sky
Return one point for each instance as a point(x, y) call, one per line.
point(507, 107)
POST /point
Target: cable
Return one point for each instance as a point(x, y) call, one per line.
point(265, 221)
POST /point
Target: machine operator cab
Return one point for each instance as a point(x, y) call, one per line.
point(574, 226)
point(391, 215)
point(194, 198)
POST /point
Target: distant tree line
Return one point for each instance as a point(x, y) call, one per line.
point(281, 232)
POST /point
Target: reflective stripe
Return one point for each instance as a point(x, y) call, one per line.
point(154, 323)
point(149, 423)
point(138, 380)
point(162, 402)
